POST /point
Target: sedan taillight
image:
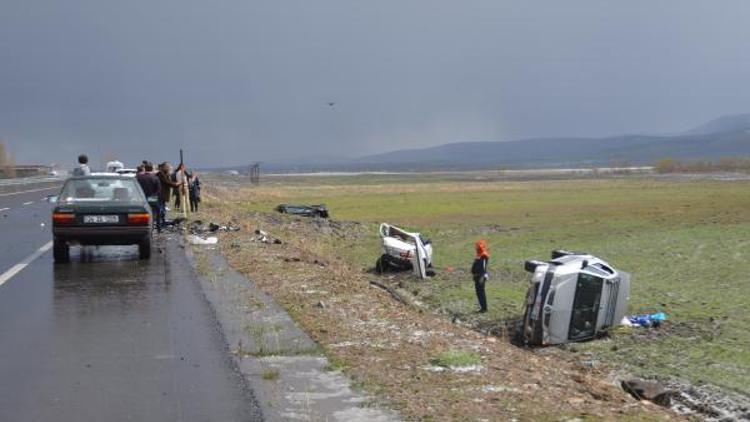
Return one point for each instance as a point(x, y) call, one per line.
point(63, 218)
point(139, 219)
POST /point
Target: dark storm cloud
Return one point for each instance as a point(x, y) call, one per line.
point(236, 81)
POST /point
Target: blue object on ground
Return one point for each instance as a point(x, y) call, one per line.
point(648, 320)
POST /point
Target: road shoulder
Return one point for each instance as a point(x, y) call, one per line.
point(291, 377)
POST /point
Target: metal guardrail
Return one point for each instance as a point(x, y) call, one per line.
point(30, 180)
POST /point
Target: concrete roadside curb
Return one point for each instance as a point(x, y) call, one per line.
point(282, 364)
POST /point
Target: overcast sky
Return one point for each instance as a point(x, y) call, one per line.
point(233, 81)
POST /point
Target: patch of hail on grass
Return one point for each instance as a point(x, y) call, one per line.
point(348, 344)
point(312, 292)
point(475, 369)
point(499, 389)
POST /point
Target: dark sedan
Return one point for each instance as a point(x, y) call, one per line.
point(101, 210)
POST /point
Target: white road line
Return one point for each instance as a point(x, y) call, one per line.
point(29, 191)
point(25, 263)
point(28, 203)
point(4, 209)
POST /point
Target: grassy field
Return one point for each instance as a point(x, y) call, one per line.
point(685, 243)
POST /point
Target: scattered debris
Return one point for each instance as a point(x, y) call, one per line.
point(403, 250)
point(572, 297)
point(173, 226)
point(263, 237)
point(318, 210)
point(197, 240)
point(199, 227)
point(400, 295)
point(644, 320)
point(648, 390)
point(708, 402)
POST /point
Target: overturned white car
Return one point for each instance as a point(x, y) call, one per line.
point(403, 250)
point(573, 297)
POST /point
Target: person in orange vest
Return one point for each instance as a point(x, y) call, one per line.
point(479, 270)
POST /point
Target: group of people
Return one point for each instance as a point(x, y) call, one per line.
point(159, 185)
point(162, 183)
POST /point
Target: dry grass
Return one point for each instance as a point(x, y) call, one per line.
point(388, 348)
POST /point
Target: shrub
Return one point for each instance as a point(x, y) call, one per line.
point(457, 358)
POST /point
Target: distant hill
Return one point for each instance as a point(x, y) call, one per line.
point(725, 136)
point(722, 137)
point(731, 123)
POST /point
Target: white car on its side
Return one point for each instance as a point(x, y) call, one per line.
point(403, 250)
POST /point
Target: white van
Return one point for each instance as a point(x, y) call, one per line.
point(573, 297)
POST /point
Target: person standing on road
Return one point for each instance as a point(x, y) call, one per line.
point(151, 187)
point(479, 270)
point(166, 185)
point(179, 177)
point(83, 166)
point(194, 184)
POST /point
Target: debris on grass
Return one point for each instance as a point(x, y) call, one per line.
point(645, 320)
point(263, 237)
point(707, 402)
point(648, 390)
point(318, 210)
point(197, 240)
point(198, 227)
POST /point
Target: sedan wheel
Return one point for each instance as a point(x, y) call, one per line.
point(144, 248)
point(60, 251)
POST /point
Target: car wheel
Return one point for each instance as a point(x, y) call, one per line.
point(381, 265)
point(144, 248)
point(60, 251)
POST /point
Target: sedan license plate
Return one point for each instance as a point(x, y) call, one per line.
point(101, 219)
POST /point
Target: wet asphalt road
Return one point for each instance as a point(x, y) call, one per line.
point(107, 337)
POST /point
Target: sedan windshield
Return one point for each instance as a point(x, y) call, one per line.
point(101, 190)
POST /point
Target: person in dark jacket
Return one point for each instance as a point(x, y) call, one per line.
point(194, 184)
point(479, 270)
point(166, 185)
point(149, 182)
point(151, 188)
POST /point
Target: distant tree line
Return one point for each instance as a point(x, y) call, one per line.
point(673, 165)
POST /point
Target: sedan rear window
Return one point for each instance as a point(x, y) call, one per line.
point(115, 190)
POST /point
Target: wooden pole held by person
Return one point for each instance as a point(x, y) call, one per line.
point(184, 191)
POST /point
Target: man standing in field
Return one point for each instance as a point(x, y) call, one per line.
point(479, 270)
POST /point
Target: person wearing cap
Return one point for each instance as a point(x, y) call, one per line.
point(479, 270)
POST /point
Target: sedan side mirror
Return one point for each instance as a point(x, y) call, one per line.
point(52, 199)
